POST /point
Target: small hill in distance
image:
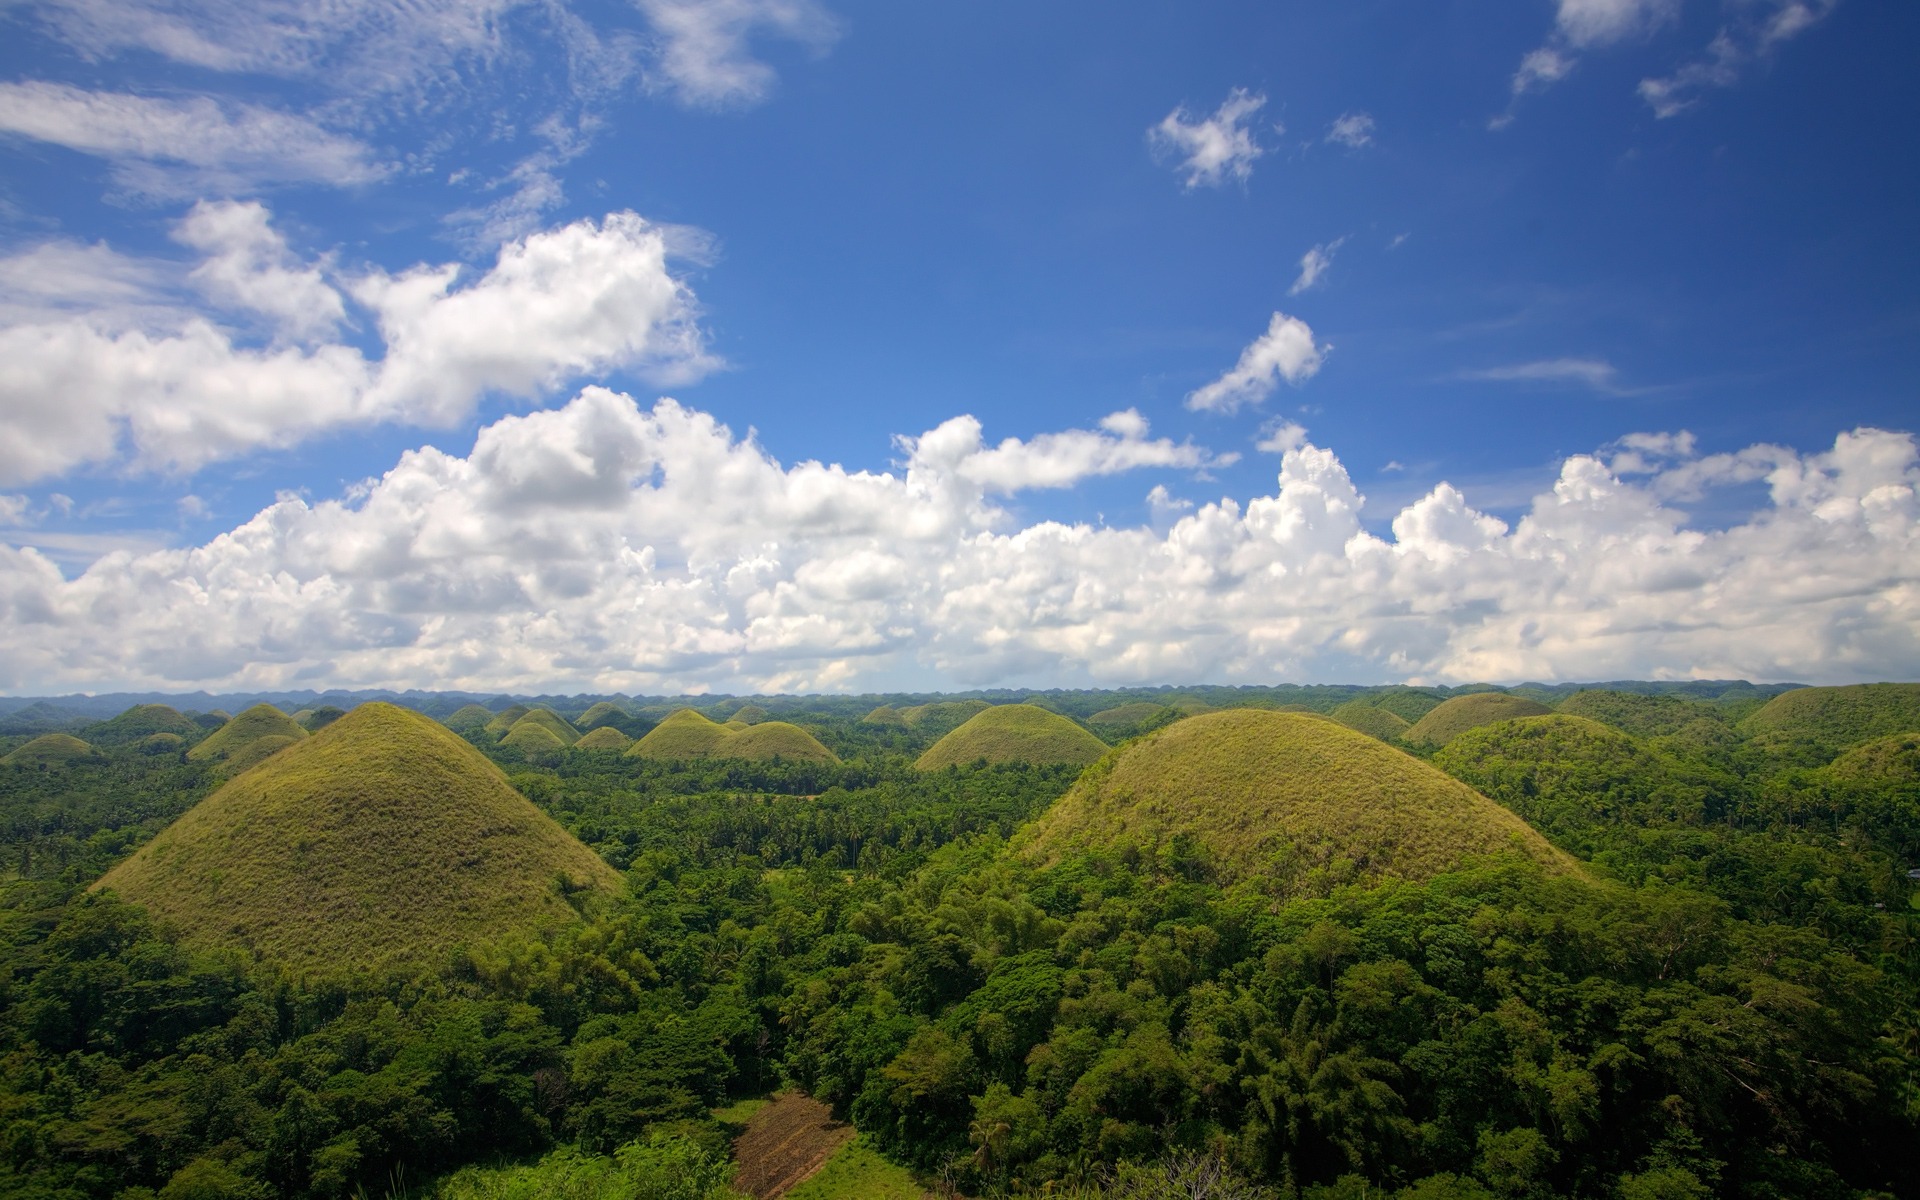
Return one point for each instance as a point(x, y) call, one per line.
point(1889, 760)
point(686, 734)
point(141, 721)
point(1839, 717)
point(1122, 716)
point(601, 715)
point(1450, 719)
point(1370, 720)
point(936, 719)
point(52, 750)
point(1409, 704)
point(382, 840)
point(1260, 791)
point(469, 717)
point(546, 720)
point(1009, 733)
point(319, 718)
point(505, 719)
point(231, 747)
point(603, 737)
point(1637, 713)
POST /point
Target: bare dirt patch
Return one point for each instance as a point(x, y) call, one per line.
point(786, 1141)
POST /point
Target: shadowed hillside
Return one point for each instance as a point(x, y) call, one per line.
point(382, 839)
point(1010, 733)
point(1839, 716)
point(1370, 720)
point(232, 746)
point(687, 734)
point(1447, 721)
point(1259, 792)
point(506, 718)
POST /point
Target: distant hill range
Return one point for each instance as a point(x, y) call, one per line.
point(31, 715)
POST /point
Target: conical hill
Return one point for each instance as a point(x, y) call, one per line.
point(605, 737)
point(469, 716)
point(687, 734)
point(228, 746)
point(1289, 792)
point(384, 839)
point(547, 719)
point(1447, 721)
point(52, 750)
point(1839, 716)
point(1370, 720)
point(604, 714)
point(142, 721)
point(1014, 733)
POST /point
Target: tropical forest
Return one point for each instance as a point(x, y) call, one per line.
point(1634, 941)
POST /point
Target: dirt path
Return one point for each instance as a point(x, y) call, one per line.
point(785, 1142)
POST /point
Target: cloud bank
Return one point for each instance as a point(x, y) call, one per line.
point(603, 545)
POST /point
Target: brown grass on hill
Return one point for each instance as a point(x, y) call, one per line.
point(1286, 792)
point(786, 1141)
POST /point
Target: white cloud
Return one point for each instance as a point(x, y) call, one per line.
point(1285, 351)
point(178, 147)
point(1281, 437)
point(1314, 265)
point(702, 51)
point(175, 388)
point(1213, 149)
point(1595, 373)
point(1051, 460)
point(606, 546)
point(1541, 69)
point(1758, 29)
point(1589, 23)
point(1353, 130)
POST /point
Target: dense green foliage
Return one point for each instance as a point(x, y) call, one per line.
point(1014, 733)
point(1725, 1006)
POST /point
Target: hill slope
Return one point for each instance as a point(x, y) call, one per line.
point(687, 734)
point(603, 737)
point(228, 745)
point(1449, 720)
point(1890, 760)
point(142, 721)
point(1264, 791)
point(1637, 713)
point(1839, 716)
point(1014, 733)
point(383, 839)
point(51, 750)
point(1372, 721)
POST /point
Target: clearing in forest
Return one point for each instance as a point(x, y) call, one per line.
point(786, 1141)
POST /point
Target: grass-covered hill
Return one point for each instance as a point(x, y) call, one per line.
point(319, 718)
point(547, 719)
point(936, 718)
point(384, 839)
point(505, 719)
point(687, 734)
point(1261, 792)
point(141, 721)
point(1409, 704)
point(530, 737)
point(1014, 733)
point(1839, 717)
point(1121, 716)
point(469, 717)
point(603, 737)
point(1889, 760)
point(601, 715)
point(1449, 720)
point(51, 750)
point(1371, 720)
point(232, 746)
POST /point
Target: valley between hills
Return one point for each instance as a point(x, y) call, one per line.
point(1628, 941)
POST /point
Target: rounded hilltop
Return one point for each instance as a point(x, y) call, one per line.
point(686, 734)
point(52, 750)
point(383, 840)
point(1371, 720)
point(1450, 719)
point(1259, 792)
point(248, 738)
point(1009, 733)
point(1839, 717)
point(143, 721)
point(1893, 759)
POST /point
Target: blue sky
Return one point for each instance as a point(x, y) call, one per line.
point(1536, 230)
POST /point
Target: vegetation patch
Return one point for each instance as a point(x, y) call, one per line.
point(1638, 713)
point(1283, 795)
point(1408, 704)
point(1009, 733)
point(1449, 720)
point(319, 718)
point(1889, 760)
point(232, 738)
point(858, 1170)
point(1839, 717)
point(785, 1142)
point(51, 750)
point(384, 839)
point(1371, 720)
point(141, 721)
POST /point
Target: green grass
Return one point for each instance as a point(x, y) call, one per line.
point(1839, 716)
point(1449, 720)
point(749, 714)
point(142, 720)
point(687, 734)
point(319, 718)
point(51, 750)
point(231, 739)
point(605, 737)
point(1890, 760)
point(530, 737)
point(1268, 793)
point(1406, 703)
point(254, 753)
point(161, 743)
point(1641, 716)
point(1372, 721)
point(604, 713)
point(858, 1172)
point(1014, 733)
point(1131, 713)
point(383, 840)
point(500, 722)
point(886, 714)
point(471, 716)
point(552, 722)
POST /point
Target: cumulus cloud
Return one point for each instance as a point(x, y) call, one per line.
point(179, 147)
point(1757, 30)
point(171, 387)
point(702, 54)
point(1285, 351)
point(609, 546)
point(1314, 265)
point(1352, 130)
point(1211, 150)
